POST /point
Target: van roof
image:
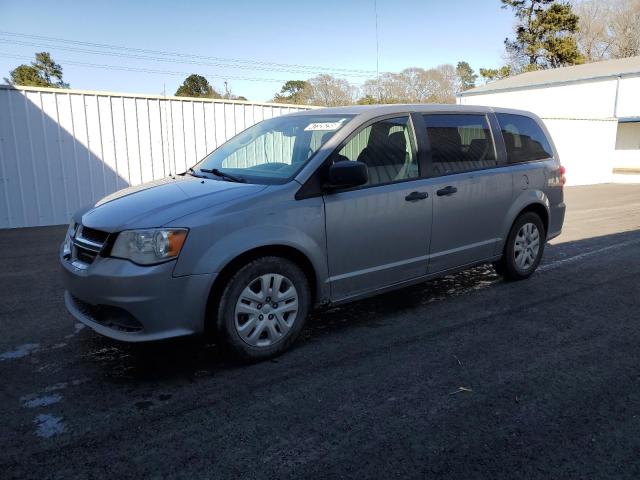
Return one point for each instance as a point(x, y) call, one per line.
point(370, 111)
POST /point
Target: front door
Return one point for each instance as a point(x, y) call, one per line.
point(471, 191)
point(378, 234)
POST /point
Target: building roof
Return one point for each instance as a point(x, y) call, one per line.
point(576, 73)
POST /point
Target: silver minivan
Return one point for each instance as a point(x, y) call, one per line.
point(314, 208)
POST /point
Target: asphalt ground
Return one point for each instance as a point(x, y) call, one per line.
point(465, 377)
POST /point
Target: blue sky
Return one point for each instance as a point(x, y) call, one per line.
point(333, 34)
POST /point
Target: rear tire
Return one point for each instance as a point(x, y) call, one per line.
point(263, 308)
point(523, 249)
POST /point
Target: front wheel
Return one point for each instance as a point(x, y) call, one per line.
point(524, 248)
point(263, 308)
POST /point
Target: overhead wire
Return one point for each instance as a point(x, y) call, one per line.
point(146, 70)
point(179, 56)
point(157, 59)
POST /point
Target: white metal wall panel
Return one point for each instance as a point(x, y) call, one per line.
point(585, 148)
point(64, 149)
point(594, 99)
point(629, 97)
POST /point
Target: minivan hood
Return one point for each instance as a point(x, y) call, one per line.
point(156, 203)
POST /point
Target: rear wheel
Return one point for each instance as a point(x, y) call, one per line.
point(523, 249)
point(263, 308)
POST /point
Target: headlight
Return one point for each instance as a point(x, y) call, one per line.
point(148, 247)
point(71, 232)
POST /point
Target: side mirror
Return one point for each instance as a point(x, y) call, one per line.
point(347, 174)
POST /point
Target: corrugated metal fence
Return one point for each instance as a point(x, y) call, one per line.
point(62, 149)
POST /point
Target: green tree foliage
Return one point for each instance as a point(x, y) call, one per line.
point(466, 76)
point(197, 86)
point(294, 91)
point(367, 100)
point(545, 34)
point(545, 38)
point(43, 72)
point(492, 74)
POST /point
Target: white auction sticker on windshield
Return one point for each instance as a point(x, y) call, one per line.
point(323, 126)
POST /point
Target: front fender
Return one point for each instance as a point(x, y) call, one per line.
point(299, 224)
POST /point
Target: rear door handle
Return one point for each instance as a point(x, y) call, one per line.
point(415, 196)
point(447, 191)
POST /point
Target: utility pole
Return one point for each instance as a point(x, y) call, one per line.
point(375, 10)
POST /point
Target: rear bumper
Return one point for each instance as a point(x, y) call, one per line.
point(150, 300)
point(556, 220)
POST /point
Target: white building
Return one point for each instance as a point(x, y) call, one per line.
point(592, 112)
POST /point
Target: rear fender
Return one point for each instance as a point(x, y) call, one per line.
point(524, 199)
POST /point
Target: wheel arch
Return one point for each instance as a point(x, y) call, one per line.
point(230, 268)
point(540, 210)
point(528, 201)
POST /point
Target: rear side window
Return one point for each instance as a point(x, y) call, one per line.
point(524, 139)
point(459, 143)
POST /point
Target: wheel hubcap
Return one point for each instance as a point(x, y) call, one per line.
point(266, 310)
point(527, 246)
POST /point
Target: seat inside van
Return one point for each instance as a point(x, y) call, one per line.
point(385, 154)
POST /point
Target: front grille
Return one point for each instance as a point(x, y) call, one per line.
point(94, 235)
point(87, 243)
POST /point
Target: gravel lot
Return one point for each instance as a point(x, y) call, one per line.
point(465, 377)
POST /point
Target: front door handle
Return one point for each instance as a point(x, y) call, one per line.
point(414, 196)
point(447, 191)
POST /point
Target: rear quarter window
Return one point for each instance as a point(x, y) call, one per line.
point(524, 139)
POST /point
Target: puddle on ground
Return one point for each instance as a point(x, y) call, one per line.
point(32, 401)
point(77, 328)
point(48, 425)
point(19, 352)
point(62, 385)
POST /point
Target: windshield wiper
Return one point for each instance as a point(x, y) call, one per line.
point(226, 176)
point(192, 172)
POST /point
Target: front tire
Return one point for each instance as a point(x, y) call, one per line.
point(263, 308)
point(523, 249)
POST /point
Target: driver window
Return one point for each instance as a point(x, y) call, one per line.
point(385, 147)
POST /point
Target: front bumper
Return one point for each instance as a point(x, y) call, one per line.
point(154, 303)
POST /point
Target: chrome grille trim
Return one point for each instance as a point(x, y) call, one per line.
point(87, 244)
point(85, 250)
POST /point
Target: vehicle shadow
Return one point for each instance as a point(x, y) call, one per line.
point(191, 358)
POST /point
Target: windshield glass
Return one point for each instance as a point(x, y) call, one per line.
point(274, 150)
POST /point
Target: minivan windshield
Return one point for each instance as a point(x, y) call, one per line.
point(272, 151)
